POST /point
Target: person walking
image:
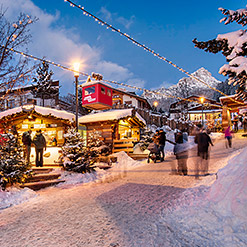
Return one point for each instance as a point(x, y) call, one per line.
point(162, 143)
point(245, 122)
point(235, 123)
point(27, 142)
point(181, 152)
point(40, 144)
point(203, 141)
point(228, 136)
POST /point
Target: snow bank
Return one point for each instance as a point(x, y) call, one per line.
point(118, 169)
point(14, 196)
point(216, 215)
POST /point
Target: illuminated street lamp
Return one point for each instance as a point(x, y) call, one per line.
point(202, 99)
point(155, 104)
point(76, 75)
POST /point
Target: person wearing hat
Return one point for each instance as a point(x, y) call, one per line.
point(40, 144)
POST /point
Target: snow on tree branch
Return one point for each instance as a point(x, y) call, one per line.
point(233, 46)
point(240, 16)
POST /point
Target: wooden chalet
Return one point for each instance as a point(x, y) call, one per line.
point(23, 95)
point(192, 109)
point(231, 106)
point(52, 122)
point(118, 127)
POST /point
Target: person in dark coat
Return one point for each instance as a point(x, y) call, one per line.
point(162, 143)
point(203, 141)
point(245, 122)
point(181, 152)
point(27, 142)
point(40, 144)
point(235, 123)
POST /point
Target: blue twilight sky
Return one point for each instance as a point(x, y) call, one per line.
point(64, 35)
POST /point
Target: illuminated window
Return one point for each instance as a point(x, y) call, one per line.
point(89, 90)
point(108, 92)
point(102, 90)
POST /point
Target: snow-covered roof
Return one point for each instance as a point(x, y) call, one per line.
point(204, 111)
point(41, 110)
point(93, 83)
point(109, 115)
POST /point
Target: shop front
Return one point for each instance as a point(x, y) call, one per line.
point(53, 124)
point(113, 125)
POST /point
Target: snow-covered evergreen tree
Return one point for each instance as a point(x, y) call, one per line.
point(96, 144)
point(234, 47)
point(12, 165)
point(75, 156)
point(43, 83)
point(146, 138)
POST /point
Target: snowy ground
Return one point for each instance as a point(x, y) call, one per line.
point(136, 204)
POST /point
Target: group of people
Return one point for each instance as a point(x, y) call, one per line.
point(39, 144)
point(159, 139)
point(203, 141)
point(181, 150)
point(240, 120)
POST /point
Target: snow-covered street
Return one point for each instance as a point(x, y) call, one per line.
point(145, 206)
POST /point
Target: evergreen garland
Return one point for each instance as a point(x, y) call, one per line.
point(13, 168)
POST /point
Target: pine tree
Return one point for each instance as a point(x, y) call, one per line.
point(76, 156)
point(234, 47)
point(13, 168)
point(96, 144)
point(43, 88)
point(146, 138)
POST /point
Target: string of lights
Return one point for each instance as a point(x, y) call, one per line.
point(44, 60)
point(107, 81)
point(108, 26)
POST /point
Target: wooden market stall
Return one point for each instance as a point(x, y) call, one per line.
point(231, 106)
point(52, 122)
point(119, 128)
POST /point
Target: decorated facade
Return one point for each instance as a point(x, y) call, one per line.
point(52, 122)
point(113, 125)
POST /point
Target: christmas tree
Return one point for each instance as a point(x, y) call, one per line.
point(96, 144)
point(234, 47)
point(13, 168)
point(76, 156)
point(146, 138)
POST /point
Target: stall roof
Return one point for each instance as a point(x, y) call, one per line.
point(95, 82)
point(230, 101)
point(41, 110)
point(109, 115)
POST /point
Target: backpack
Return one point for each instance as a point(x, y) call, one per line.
point(25, 138)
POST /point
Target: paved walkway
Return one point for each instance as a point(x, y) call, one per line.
point(120, 212)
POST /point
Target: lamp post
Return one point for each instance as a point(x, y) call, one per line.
point(76, 75)
point(202, 101)
point(155, 105)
